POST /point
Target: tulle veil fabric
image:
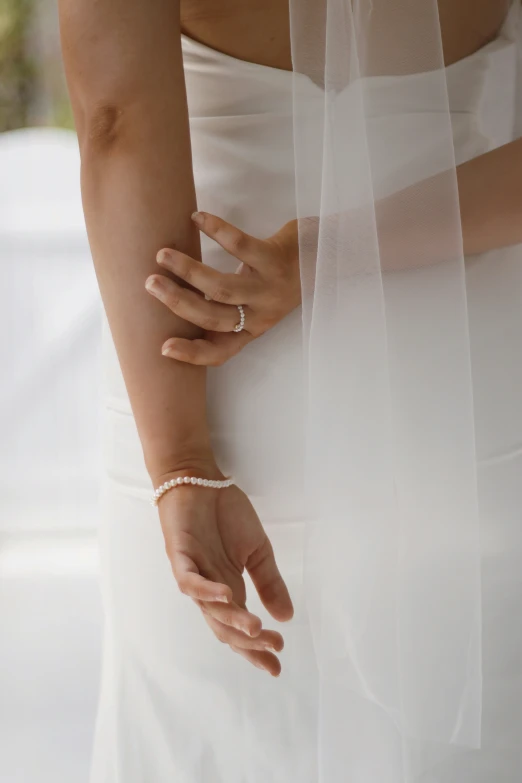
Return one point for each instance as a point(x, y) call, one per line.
point(393, 571)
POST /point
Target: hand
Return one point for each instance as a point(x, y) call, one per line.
point(211, 536)
point(267, 285)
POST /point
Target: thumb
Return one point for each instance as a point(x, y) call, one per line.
point(269, 583)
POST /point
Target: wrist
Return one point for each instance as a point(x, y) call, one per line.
point(167, 454)
point(198, 465)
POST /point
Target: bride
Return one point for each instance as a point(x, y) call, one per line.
point(324, 413)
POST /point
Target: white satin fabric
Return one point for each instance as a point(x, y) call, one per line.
point(177, 705)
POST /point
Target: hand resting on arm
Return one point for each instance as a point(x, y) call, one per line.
point(268, 286)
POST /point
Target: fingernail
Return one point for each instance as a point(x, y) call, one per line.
point(163, 256)
point(222, 598)
point(153, 284)
point(169, 347)
point(198, 218)
point(271, 648)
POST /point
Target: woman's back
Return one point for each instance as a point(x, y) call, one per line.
point(259, 31)
point(175, 706)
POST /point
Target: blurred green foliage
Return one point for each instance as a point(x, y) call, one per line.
point(32, 90)
point(17, 71)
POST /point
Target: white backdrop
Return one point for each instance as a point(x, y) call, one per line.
point(50, 456)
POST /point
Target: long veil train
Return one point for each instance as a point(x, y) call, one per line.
point(393, 570)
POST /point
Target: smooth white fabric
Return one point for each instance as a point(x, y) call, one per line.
point(176, 705)
point(392, 570)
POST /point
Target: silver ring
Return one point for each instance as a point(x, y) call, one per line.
point(241, 325)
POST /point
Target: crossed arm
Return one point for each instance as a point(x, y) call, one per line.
point(129, 102)
point(490, 200)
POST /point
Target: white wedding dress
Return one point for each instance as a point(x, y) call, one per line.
point(178, 707)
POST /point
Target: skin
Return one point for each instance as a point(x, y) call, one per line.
point(258, 30)
point(125, 75)
point(268, 287)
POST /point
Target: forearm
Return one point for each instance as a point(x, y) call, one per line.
point(490, 195)
point(134, 204)
point(138, 194)
point(419, 226)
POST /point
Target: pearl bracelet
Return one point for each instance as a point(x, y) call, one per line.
point(176, 482)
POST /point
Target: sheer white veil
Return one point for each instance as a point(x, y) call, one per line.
point(393, 577)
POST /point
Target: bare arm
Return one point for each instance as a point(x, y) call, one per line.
point(125, 76)
point(490, 194)
point(490, 204)
point(490, 201)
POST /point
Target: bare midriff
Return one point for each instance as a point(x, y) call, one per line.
point(258, 31)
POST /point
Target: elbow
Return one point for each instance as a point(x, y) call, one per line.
point(100, 121)
point(103, 127)
point(108, 127)
point(101, 100)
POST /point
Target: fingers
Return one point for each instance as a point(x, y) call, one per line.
point(264, 640)
point(210, 316)
point(262, 659)
point(254, 252)
point(211, 352)
point(230, 289)
point(269, 583)
point(201, 589)
point(233, 616)
point(196, 586)
point(231, 623)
